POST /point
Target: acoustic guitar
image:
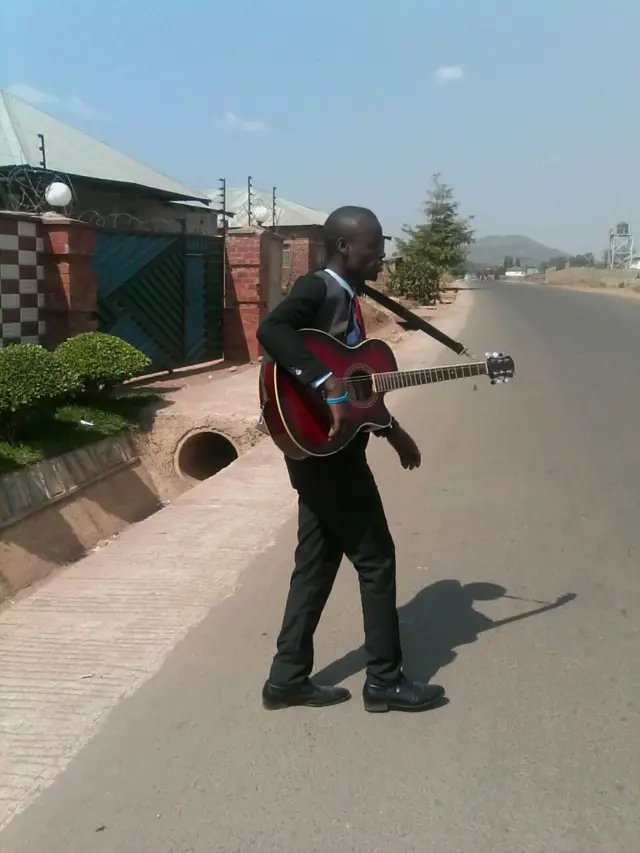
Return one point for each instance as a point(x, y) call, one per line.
point(298, 419)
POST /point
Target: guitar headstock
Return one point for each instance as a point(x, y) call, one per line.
point(500, 367)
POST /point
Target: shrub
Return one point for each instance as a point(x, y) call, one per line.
point(102, 361)
point(30, 377)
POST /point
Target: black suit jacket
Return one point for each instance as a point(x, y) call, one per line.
point(314, 302)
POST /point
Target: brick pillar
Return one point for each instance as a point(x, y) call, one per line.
point(248, 256)
point(300, 257)
point(70, 286)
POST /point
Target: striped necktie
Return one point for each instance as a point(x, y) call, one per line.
point(357, 316)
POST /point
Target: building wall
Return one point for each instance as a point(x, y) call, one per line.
point(132, 209)
point(21, 280)
point(302, 251)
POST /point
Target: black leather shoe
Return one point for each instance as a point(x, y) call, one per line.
point(404, 695)
point(276, 696)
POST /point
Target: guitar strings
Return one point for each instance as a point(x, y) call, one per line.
point(369, 377)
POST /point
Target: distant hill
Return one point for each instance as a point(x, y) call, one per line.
point(491, 251)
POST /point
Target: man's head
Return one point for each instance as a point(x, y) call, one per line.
point(354, 243)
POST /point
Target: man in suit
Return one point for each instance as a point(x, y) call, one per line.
point(340, 512)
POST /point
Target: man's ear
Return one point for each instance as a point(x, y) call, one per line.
point(341, 244)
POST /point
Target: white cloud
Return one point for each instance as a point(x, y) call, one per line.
point(32, 95)
point(230, 121)
point(446, 73)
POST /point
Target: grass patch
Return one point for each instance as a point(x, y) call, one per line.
point(55, 432)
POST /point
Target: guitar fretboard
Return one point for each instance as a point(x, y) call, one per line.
point(425, 376)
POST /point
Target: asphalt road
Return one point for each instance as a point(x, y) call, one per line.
point(530, 490)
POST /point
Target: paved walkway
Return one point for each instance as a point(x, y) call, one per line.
point(75, 647)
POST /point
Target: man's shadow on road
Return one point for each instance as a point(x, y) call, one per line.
point(434, 623)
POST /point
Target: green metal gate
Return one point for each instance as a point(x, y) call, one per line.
point(163, 293)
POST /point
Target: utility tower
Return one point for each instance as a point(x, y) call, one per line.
point(620, 247)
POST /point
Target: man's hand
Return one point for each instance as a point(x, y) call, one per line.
point(333, 388)
point(405, 447)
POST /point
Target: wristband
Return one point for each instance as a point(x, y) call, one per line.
point(336, 400)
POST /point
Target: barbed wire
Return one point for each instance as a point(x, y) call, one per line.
point(127, 221)
point(124, 221)
point(23, 188)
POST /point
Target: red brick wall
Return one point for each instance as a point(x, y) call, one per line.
point(305, 249)
point(248, 258)
point(70, 285)
point(299, 259)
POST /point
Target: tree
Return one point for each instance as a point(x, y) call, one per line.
point(558, 263)
point(508, 262)
point(586, 260)
point(434, 249)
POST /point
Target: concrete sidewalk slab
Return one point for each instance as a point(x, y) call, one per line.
point(95, 632)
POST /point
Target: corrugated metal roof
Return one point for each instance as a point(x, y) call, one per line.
point(288, 213)
point(73, 152)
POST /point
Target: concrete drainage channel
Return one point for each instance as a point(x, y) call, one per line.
point(126, 481)
point(203, 453)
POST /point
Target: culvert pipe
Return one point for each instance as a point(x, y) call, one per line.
point(203, 453)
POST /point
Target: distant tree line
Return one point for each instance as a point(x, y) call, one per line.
point(509, 262)
point(586, 260)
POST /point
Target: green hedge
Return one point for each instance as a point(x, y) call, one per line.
point(102, 361)
point(30, 377)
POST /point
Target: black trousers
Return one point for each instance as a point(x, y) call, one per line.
point(339, 513)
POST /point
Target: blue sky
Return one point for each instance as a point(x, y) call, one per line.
point(534, 121)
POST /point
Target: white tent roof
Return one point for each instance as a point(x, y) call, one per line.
point(288, 213)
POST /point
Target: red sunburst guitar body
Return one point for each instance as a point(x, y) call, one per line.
point(297, 417)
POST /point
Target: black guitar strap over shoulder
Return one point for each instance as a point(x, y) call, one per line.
point(413, 320)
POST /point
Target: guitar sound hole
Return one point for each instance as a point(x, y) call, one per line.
point(360, 387)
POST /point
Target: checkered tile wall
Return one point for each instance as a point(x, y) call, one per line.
point(21, 282)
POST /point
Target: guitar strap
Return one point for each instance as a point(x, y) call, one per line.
point(413, 320)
